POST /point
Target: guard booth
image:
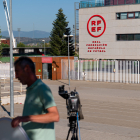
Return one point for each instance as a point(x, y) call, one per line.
point(47, 68)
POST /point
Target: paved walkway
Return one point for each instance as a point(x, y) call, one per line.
point(111, 110)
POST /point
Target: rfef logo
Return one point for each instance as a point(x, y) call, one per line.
point(96, 25)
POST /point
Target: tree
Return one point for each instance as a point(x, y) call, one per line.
point(71, 46)
point(59, 44)
point(21, 45)
point(5, 45)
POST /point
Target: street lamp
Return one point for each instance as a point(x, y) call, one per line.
point(19, 34)
point(44, 46)
point(68, 57)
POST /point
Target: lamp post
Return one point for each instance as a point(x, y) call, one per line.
point(68, 57)
point(19, 34)
point(44, 46)
point(11, 66)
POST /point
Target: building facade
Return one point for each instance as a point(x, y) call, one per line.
point(5, 41)
point(109, 29)
point(48, 67)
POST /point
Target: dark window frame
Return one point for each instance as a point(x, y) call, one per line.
point(130, 13)
point(119, 37)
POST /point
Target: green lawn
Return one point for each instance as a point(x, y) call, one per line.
point(5, 59)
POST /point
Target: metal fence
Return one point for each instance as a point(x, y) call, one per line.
point(5, 70)
point(123, 71)
point(5, 80)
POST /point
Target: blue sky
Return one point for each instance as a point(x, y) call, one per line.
point(36, 14)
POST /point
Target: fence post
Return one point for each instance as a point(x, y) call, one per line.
point(109, 71)
point(104, 70)
point(97, 69)
point(100, 69)
point(133, 72)
point(78, 69)
point(138, 72)
point(126, 71)
point(116, 71)
point(112, 72)
point(129, 71)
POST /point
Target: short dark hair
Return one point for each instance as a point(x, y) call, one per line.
point(23, 61)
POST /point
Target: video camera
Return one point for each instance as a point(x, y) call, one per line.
point(73, 108)
point(72, 102)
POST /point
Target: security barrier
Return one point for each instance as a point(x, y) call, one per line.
point(123, 71)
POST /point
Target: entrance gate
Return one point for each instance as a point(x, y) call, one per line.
point(47, 71)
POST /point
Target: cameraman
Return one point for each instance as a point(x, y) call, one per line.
point(40, 111)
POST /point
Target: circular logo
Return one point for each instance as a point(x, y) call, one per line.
point(96, 26)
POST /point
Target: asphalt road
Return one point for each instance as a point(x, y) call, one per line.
point(111, 110)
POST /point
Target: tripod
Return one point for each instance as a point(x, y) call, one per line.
point(73, 128)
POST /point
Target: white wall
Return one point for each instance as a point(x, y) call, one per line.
point(114, 49)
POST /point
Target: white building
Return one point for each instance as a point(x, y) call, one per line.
point(108, 30)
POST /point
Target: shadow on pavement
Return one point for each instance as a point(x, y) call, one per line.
point(5, 110)
point(63, 82)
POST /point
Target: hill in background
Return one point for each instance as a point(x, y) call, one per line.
point(30, 34)
point(31, 37)
point(27, 40)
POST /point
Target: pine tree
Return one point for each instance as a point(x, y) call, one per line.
point(59, 44)
point(71, 46)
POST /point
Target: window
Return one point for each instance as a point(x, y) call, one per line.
point(123, 15)
point(118, 37)
point(129, 15)
point(118, 15)
point(137, 37)
point(128, 37)
point(123, 37)
point(137, 14)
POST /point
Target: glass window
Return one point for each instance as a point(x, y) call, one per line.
point(137, 1)
point(137, 36)
point(123, 37)
point(118, 37)
point(130, 15)
point(130, 37)
point(123, 15)
point(118, 15)
point(136, 14)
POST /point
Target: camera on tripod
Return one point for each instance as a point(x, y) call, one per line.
point(74, 110)
point(72, 102)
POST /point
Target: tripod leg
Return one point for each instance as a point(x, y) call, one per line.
point(73, 137)
point(68, 134)
point(76, 132)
